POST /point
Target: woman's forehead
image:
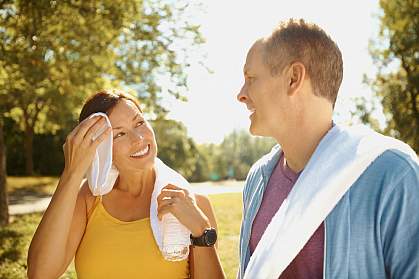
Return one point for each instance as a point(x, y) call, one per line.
point(124, 111)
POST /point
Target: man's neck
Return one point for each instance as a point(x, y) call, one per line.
point(301, 142)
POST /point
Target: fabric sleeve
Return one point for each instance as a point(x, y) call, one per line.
point(400, 226)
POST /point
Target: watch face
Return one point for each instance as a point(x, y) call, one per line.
point(210, 237)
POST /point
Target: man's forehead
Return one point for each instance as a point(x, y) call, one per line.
point(253, 55)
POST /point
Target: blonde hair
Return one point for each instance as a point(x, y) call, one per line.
point(296, 40)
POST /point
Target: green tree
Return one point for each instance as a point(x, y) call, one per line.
point(238, 152)
point(396, 54)
point(54, 53)
point(175, 148)
point(4, 210)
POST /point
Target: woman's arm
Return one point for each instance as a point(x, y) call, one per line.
point(197, 215)
point(59, 233)
point(62, 226)
point(204, 261)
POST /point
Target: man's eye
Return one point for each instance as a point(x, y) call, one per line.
point(140, 123)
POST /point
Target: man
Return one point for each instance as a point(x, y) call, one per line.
point(331, 201)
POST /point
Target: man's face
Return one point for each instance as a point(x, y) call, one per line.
point(263, 94)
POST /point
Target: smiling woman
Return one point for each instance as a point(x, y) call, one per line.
point(110, 236)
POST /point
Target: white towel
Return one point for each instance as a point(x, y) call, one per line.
point(102, 175)
point(341, 157)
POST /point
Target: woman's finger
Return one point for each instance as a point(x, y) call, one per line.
point(85, 126)
point(95, 131)
point(174, 187)
point(164, 209)
point(102, 137)
point(170, 194)
point(165, 203)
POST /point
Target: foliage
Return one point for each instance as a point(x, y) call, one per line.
point(397, 81)
point(55, 53)
point(237, 153)
point(175, 148)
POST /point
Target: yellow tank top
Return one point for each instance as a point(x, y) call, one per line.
point(111, 248)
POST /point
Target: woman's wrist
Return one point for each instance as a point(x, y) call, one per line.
point(200, 227)
point(69, 177)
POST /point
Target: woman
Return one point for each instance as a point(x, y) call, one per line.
point(110, 236)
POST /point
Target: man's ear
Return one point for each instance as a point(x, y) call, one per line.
point(296, 74)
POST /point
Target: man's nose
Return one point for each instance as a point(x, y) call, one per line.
point(242, 96)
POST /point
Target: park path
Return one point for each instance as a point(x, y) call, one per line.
point(206, 188)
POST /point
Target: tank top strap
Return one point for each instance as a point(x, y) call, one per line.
point(98, 199)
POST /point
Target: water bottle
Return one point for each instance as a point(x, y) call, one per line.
point(176, 239)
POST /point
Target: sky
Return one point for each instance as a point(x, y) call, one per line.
point(231, 27)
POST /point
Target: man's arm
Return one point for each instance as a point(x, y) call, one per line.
point(400, 226)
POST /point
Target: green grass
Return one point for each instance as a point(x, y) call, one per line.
point(36, 185)
point(15, 238)
point(228, 211)
point(14, 243)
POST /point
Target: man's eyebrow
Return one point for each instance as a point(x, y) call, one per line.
point(135, 117)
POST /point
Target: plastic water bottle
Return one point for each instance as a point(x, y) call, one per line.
point(176, 239)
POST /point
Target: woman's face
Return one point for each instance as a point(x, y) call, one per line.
point(134, 144)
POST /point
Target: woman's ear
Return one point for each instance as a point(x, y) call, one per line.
point(296, 75)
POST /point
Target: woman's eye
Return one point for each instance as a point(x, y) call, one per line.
point(140, 123)
point(118, 135)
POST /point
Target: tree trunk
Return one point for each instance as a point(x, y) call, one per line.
point(4, 204)
point(28, 150)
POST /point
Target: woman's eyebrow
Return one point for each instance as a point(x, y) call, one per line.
point(135, 117)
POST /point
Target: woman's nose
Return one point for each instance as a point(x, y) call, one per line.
point(137, 136)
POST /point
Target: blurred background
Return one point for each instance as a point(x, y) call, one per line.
point(183, 60)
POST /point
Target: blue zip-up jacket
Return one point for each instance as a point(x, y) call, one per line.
point(373, 232)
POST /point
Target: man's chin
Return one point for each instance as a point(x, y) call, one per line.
point(257, 131)
point(254, 132)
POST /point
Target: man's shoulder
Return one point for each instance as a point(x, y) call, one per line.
point(392, 169)
point(394, 162)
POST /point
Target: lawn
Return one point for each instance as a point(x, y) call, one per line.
point(15, 238)
point(27, 189)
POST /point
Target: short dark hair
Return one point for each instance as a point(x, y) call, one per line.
point(296, 40)
point(104, 101)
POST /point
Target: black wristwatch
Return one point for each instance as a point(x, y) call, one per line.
point(207, 239)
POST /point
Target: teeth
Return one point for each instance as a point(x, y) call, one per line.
point(141, 152)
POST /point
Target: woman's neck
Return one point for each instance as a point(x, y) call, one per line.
point(137, 183)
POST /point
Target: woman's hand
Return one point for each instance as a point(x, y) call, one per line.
point(182, 205)
point(79, 147)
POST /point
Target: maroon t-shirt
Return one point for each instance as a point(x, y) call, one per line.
point(308, 264)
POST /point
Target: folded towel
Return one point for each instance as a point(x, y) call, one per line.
point(102, 175)
point(341, 157)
